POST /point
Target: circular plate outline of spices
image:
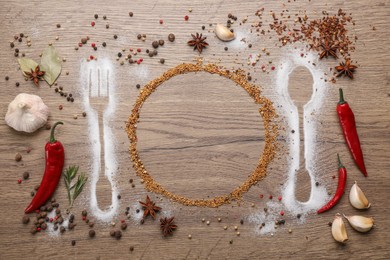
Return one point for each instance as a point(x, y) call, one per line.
point(266, 110)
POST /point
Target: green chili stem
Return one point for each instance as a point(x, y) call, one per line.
point(340, 164)
point(341, 101)
point(52, 139)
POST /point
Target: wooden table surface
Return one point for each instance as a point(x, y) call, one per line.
point(200, 136)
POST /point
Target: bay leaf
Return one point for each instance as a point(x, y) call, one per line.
point(50, 64)
point(27, 65)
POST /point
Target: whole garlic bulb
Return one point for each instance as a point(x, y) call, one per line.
point(27, 113)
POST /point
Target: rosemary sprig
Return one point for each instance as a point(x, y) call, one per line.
point(75, 189)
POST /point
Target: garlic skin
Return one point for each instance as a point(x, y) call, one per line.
point(27, 113)
point(223, 33)
point(339, 232)
point(357, 198)
point(360, 223)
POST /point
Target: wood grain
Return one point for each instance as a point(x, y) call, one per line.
point(199, 135)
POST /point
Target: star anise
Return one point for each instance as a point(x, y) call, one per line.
point(35, 75)
point(149, 207)
point(166, 225)
point(346, 68)
point(329, 49)
point(198, 42)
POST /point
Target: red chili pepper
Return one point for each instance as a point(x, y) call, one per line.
point(348, 124)
point(340, 188)
point(54, 163)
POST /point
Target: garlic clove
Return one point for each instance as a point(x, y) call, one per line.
point(360, 223)
point(357, 198)
point(339, 232)
point(27, 113)
point(223, 33)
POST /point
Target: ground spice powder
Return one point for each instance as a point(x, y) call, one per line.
point(266, 111)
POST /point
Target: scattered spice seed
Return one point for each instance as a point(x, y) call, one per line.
point(18, 157)
point(131, 14)
point(26, 175)
point(92, 233)
point(155, 44)
point(96, 16)
point(26, 219)
point(186, 18)
point(73, 242)
point(115, 36)
point(161, 42)
point(123, 226)
point(92, 24)
point(17, 84)
point(171, 37)
point(138, 86)
point(118, 234)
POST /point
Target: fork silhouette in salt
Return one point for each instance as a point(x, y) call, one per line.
point(99, 103)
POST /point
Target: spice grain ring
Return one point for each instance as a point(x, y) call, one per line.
point(266, 111)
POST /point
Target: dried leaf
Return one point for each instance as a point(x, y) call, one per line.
point(51, 64)
point(27, 64)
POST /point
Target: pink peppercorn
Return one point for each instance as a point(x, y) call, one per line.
point(186, 17)
point(280, 198)
point(282, 213)
point(270, 197)
point(51, 219)
point(80, 44)
point(273, 68)
point(39, 229)
point(261, 196)
point(91, 57)
point(138, 61)
point(92, 23)
point(19, 181)
point(139, 49)
point(93, 45)
point(161, 21)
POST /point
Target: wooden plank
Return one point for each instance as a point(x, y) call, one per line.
point(199, 135)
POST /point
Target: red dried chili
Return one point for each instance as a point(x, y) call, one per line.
point(347, 121)
point(54, 163)
point(340, 188)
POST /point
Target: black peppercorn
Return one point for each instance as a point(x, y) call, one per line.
point(96, 16)
point(115, 36)
point(131, 14)
point(171, 37)
point(17, 84)
point(26, 175)
point(162, 61)
point(155, 44)
point(161, 42)
point(73, 242)
point(92, 233)
point(138, 86)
